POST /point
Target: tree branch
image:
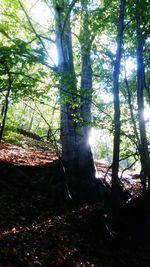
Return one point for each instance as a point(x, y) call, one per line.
point(38, 37)
point(67, 15)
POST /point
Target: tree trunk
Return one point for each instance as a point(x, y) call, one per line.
point(116, 145)
point(116, 195)
point(77, 157)
point(144, 153)
point(86, 157)
point(5, 107)
point(132, 113)
point(67, 86)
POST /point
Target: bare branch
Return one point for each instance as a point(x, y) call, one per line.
point(38, 36)
point(47, 38)
point(128, 167)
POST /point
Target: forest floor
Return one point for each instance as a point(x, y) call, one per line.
point(35, 232)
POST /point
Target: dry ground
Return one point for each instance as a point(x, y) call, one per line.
point(35, 232)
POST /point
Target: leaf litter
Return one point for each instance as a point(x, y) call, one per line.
point(35, 232)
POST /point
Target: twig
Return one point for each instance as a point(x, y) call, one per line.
point(128, 168)
point(36, 34)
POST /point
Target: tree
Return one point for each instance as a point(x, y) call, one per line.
point(144, 152)
point(86, 39)
point(75, 110)
point(16, 82)
point(6, 103)
point(139, 27)
point(84, 56)
point(116, 145)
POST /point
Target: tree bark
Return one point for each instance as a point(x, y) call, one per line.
point(67, 86)
point(6, 104)
point(86, 157)
point(116, 193)
point(75, 113)
point(144, 153)
point(116, 144)
point(132, 115)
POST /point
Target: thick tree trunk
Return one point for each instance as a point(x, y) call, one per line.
point(86, 157)
point(67, 87)
point(77, 156)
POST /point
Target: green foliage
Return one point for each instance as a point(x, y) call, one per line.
point(36, 96)
point(102, 145)
point(13, 137)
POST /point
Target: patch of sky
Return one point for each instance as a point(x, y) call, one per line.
point(129, 65)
